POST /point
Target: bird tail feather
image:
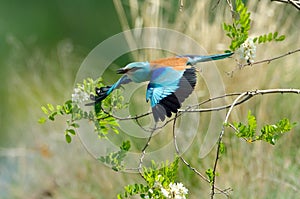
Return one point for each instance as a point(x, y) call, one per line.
point(194, 59)
point(220, 56)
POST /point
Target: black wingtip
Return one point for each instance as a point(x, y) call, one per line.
point(172, 102)
point(101, 94)
point(158, 113)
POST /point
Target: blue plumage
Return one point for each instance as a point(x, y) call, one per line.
point(171, 81)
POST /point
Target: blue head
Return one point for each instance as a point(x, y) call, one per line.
point(137, 71)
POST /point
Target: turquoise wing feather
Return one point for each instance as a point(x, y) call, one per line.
point(168, 88)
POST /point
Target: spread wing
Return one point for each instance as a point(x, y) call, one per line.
point(168, 88)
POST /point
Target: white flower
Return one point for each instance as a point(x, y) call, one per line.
point(79, 96)
point(247, 51)
point(178, 190)
point(157, 184)
point(175, 191)
point(164, 192)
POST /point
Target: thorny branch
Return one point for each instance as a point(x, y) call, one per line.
point(295, 3)
point(229, 3)
point(219, 142)
point(264, 61)
point(225, 191)
point(272, 59)
point(241, 98)
point(144, 152)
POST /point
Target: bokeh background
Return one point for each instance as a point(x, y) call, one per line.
point(42, 45)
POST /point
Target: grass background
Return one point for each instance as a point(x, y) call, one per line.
point(42, 46)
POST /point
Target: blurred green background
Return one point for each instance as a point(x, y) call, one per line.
point(42, 45)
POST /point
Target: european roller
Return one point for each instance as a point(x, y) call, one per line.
point(171, 81)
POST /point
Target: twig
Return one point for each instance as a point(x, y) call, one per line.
point(216, 98)
point(240, 99)
point(128, 117)
point(225, 192)
point(240, 66)
point(181, 5)
point(179, 155)
point(229, 3)
point(231, 7)
point(236, 130)
point(295, 3)
point(271, 59)
point(215, 6)
point(248, 94)
point(144, 151)
point(216, 108)
point(190, 109)
point(220, 140)
point(144, 129)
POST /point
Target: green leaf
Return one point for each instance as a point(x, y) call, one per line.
point(251, 124)
point(45, 110)
point(260, 39)
point(238, 31)
point(115, 159)
point(52, 116)
point(263, 39)
point(125, 145)
point(164, 173)
point(72, 131)
point(68, 138)
point(271, 133)
point(270, 37)
point(210, 174)
point(67, 107)
point(246, 131)
point(50, 107)
point(75, 125)
point(42, 120)
point(222, 148)
point(275, 35)
point(119, 196)
point(59, 109)
point(281, 38)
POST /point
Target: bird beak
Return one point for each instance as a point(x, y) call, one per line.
point(122, 71)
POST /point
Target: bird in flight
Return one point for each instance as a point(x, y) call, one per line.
point(171, 81)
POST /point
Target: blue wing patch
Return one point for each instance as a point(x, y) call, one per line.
point(123, 80)
point(165, 76)
point(168, 89)
point(157, 93)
